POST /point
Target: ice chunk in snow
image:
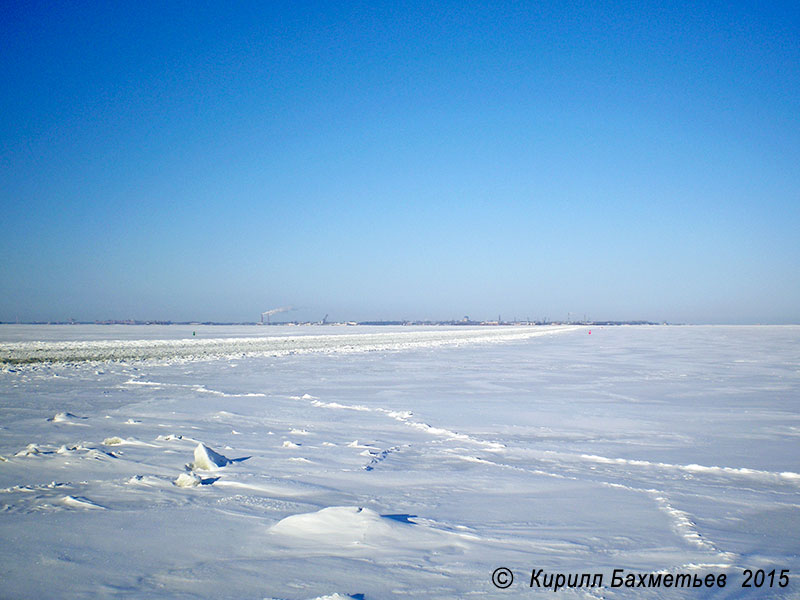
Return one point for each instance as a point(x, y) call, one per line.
point(63, 417)
point(29, 450)
point(205, 458)
point(187, 480)
point(80, 502)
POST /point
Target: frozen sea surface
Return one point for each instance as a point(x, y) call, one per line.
point(395, 462)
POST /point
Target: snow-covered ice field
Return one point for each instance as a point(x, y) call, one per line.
point(394, 462)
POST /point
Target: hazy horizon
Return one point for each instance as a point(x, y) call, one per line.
point(339, 321)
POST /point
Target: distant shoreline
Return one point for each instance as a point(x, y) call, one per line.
point(346, 323)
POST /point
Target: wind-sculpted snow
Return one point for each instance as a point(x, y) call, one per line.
point(349, 528)
point(395, 463)
point(170, 350)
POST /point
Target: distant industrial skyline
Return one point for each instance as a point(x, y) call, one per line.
point(376, 161)
point(465, 320)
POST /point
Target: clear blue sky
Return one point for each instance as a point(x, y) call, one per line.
point(400, 160)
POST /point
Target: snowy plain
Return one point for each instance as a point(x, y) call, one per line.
point(300, 463)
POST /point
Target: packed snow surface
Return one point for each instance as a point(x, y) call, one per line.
point(366, 463)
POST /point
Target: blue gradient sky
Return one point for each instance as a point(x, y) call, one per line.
point(398, 160)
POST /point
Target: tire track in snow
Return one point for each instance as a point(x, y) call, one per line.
point(405, 417)
point(739, 472)
point(197, 387)
point(682, 523)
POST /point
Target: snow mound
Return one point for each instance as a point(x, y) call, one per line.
point(341, 525)
point(358, 529)
point(208, 460)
